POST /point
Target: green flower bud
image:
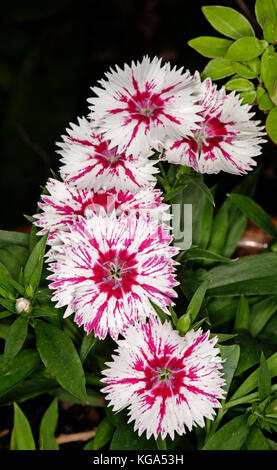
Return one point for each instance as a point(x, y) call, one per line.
point(183, 323)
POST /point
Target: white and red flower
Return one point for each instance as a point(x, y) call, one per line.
point(137, 107)
point(108, 268)
point(228, 139)
point(167, 382)
point(90, 163)
point(64, 203)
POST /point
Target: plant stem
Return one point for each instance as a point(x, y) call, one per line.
point(166, 184)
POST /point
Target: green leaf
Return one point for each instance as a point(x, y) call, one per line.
point(242, 315)
point(230, 356)
point(268, 71)
point(206, 222)
point(248, 97)
point(47, 428)
point(6, 280)
point(261, 312)
point(270, 31)
point(254, 212)
point(103, 435)
point(22, 433)
point(125, 438)
point(13, 257)
point(14, 238)
point(243, 70)
point(210, 46)
point(21, 366)
point(93, 398)
point(219, 230)
point(217, 69)
point(197, 300)
point(88, 343)
point(256, 440)
point(256, 274)
point(271, 124)
point(33, 267)
point(228, 21)
point(239, 84)
point(252, 380)
point(198, 181)
point(231, 436)
point(245, 49)
point(162, 315)
point(61, 359)
point(264, 379)
point(15, 339)
point(265, 9)
point(263, 99)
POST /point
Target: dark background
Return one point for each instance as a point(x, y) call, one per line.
point(53, 51)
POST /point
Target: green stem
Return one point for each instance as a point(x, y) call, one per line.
point(166, 184)
point(161, 443)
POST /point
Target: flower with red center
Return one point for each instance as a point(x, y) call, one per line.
point(90, 163)
point(139, 106)
point(64, 203)
point(109, 267)
point(227, 140)
point(166, 381)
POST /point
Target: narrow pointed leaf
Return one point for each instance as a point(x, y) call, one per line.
point(22, 432)
point(47, 428)
point(15, 339)
point(264, 381)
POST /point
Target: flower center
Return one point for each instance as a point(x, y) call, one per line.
point(164, 374)
point(114, 271)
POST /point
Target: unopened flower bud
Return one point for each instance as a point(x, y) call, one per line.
point(183, 323)
point(23, 305)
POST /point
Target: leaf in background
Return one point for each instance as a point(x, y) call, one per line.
point(256, 440)
point(270, 31)
point(254, 212)
point(199, 254)
point(125, 438)
point(250, 275)
point(15, 339)
point(261, 312)
point(239, 84)
point(206, 221)
point(93, 398)
point(243, 70)
point(198, 181)
point(103, 435)
point(228, 21)
point(264, 379)
point(263, 99)
point(219, 230)
point(162, 315)
point(22, 433)
point(210, 46)
point(14, 238)
point(30, 388)
point(252, 380)
point(47, 428)
point(230, 355)
point(271, 124)
point(13, 257)
point(87, 344)
point(197, 300)
point(248, 97)
point(6, 280)
point(217, 69)
point(231, 436)
point(245, 49)
point(34, 264)
point(250, 351)
point(265, 9)
point(268, 71)
point(61, 358)
point(22, 366)
point(242, 315)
